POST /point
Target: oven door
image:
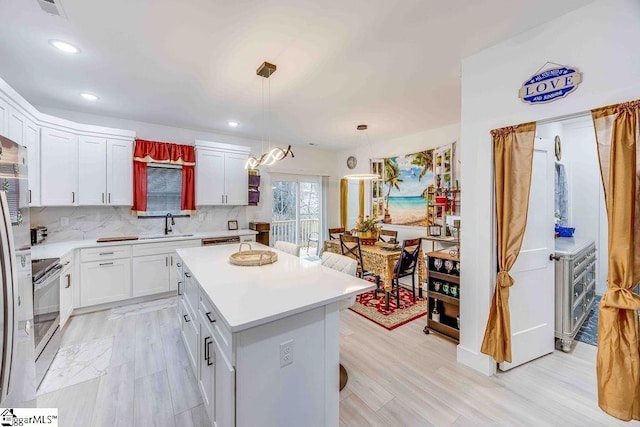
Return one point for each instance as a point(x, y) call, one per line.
point(46, 307)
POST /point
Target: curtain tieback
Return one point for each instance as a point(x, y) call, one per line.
point(620, 298)
point(505, 280)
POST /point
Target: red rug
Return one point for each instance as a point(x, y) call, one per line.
point(373, 308)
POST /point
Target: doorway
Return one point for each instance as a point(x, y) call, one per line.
point(297, 211)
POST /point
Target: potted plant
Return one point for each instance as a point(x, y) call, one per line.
point(367, 230)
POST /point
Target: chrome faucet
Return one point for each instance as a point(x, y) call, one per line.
point(167, 226)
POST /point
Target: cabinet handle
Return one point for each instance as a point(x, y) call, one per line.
point(186, 318)
point(166, 261)
point(73, 197)
point(187, 274)
point(68, 281)
point(102, 197)
point(178, 264)
point(29, 196)
point(179, 283)
point(109, 198)
point(207, 351)
point(171, 260)
point(226, 198)
point(209, 317)
point(106, 253)
point(105, 263)
point(222, 198)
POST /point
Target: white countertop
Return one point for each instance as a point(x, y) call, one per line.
point(571, 245)
point(57, 250)
point(251, 296)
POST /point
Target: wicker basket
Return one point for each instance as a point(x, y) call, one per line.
point(251, 258)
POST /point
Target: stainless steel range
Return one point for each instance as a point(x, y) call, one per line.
point(46, 312)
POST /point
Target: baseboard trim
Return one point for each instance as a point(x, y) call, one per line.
point(110, 305)
point(477, 361)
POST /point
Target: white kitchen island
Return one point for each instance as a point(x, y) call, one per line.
point(263, 341)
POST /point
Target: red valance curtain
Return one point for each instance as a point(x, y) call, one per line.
point(163, 152)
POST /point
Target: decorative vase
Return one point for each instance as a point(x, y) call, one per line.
point(368, 237)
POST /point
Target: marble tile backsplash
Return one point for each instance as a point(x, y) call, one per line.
point(88, 222)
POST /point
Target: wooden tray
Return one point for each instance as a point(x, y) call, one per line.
point(116, 239)
point(252, 258)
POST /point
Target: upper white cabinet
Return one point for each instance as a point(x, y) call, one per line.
point(69, 163)
point(59, 168)
point(92, 170)
point(105, 171)
point(221, 178)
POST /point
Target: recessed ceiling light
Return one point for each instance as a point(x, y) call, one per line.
point(64, 46)
point(233, 124)
point(89, 96)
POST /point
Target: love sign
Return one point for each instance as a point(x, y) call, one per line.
point(550, 85)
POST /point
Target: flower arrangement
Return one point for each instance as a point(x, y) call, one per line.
point(366, 224)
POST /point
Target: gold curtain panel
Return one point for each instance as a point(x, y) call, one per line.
point(618, 363)
point(513, 152)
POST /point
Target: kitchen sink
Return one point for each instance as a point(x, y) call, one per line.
point(164, 236)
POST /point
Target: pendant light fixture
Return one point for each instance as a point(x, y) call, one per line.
point(363, 176)
point(273, 154)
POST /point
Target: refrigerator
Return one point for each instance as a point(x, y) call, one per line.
point(17, 366)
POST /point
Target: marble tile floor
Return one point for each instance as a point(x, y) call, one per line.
point(144, 376)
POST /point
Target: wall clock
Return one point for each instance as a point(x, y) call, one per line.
point(558, 148)
point(352, 162)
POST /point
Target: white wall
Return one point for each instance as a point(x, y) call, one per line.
point(587, 210)
point(601, 40)
point(307, 160)
point(399, 146)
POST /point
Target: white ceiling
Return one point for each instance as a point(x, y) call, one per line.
point(394, 65)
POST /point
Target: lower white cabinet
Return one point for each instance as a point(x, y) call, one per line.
point(66, 294)
point(207, 362)
point(105, 281)
point(190, 334)
point(151, 274)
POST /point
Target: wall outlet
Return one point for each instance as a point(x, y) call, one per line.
point(64, 221)
point(286, 353)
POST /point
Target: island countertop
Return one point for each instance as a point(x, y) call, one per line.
point(252, 296)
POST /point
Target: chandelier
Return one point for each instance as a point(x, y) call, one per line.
point(274, 154)
point(363, 176)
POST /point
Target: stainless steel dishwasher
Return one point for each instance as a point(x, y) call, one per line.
point(220, 240)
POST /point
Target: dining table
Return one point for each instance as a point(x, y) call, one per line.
point(380, 259)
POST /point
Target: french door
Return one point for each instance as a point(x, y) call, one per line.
point(297, 210)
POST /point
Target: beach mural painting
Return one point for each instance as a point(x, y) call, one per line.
point(400, 195)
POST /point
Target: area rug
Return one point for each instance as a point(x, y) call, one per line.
point(373, 308)
point(588, 332)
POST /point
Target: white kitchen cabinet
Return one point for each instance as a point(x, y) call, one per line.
point(32, 142)
point(17, 124)
point(4, 118)
point(207, 359)
point(66, 289)
point(190, 334)
point(92, 171)
point(59, 168)
point(105, 281)
point(119, 172)
point(221, 177)
point(105, 173)
point(151, 275)
point(225, 386)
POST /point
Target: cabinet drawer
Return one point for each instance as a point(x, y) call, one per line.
point(189, 332)
point(579, 311)
point(163, 248)
point(190, 292)
point(105, 253)
point(220, 331)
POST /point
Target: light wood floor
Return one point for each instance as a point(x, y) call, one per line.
point(396, 378)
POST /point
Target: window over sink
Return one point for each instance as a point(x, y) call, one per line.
point(164, 189)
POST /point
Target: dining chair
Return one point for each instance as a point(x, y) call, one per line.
point(391, 236)
point(406, 266)
point(350, 247)
point(313, 236)
point(334, 233)
point(290, 248)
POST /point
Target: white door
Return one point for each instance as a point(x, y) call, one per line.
point(32, 142)
point(236, 179)
point(92, 171)
point(150, 274)
point(17, 123)
point(4, 118)
point(59, 168)
point(209, 177)
point(119, 173)
point(531, 299)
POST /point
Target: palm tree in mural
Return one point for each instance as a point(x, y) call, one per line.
point(424, 159)
point(392, 179)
